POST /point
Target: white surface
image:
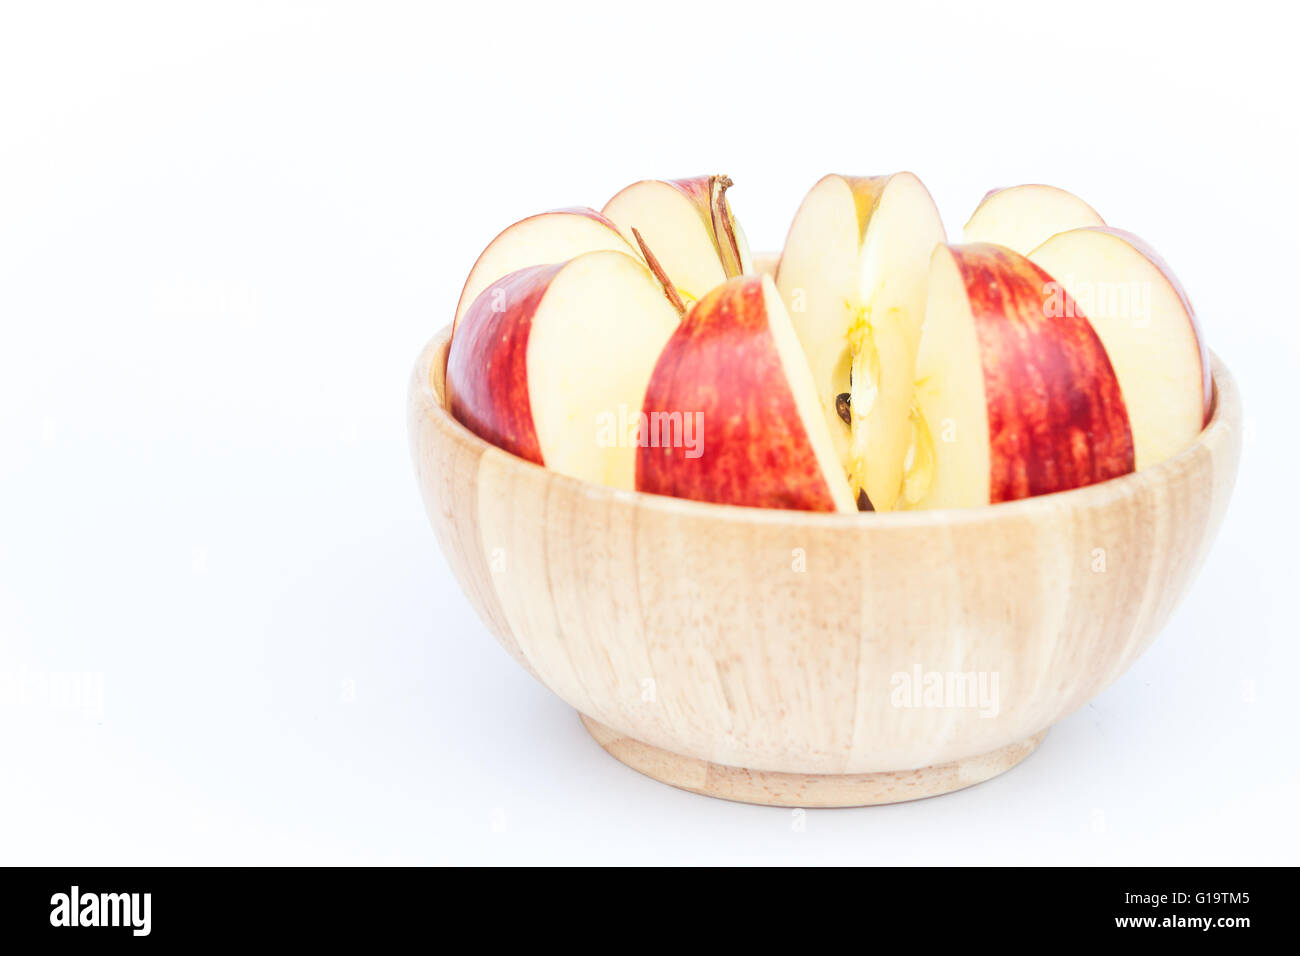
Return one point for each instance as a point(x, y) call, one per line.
point(225, 235)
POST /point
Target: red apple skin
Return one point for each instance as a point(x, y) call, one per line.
point(723, 363)
point(1141, 245)
point(1056, 417)
point(487, 364)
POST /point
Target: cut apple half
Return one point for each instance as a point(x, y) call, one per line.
point(1146, 323)
point(853, 276)
point(551, 363)
point(1023, 217)
point(544, 239)
point(689, 225)
point(731, 413)
point(1013, 400)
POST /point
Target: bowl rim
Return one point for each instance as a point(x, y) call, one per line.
point(1225, 416)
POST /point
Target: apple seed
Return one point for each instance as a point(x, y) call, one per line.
point(843, 406)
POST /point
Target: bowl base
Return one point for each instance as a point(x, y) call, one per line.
point(774, 789)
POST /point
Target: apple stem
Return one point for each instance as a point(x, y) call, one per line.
point(670, 290)
point(723, 226)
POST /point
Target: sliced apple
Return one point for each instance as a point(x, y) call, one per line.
point(551, 363)
point(1022, 217)
point(1013, 399)
point(689, 225)
point(853, 275)
point(765, 264)
point(1146, 323)
point(544, 239)
point(733, 379)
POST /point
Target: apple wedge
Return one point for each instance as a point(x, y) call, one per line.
point(1022, 217)
point(689, 225)
point(853, 276)
point(551, 360)
point(544, 239)
point(731, 413)
point(1013, 399)
point(1146, 323)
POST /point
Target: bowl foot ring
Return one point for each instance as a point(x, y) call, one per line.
point(774, 789)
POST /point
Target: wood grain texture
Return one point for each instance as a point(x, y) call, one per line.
point(772, 640)
point(809, 790)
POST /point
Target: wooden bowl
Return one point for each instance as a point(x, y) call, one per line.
point(816, 660)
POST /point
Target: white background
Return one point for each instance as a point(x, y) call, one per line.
point(225, 232)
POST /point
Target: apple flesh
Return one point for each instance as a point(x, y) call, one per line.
point(1013, 399)
point(547, 238)
point(765, 264)
point(853, 275)
point(733, 375)
point(689, 225)
point(1146, 323)
point(551, 361)
point(1023, 217)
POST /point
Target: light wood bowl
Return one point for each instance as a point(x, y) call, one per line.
point(755, 654)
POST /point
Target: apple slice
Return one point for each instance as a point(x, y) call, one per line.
point(1013, 400)
point(1146, 323)
point(689, 225)
point(853, 275)
point(731, 413)
point(765, 264)
point(546, 238)
point(551, 361)
point(1022, 217)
